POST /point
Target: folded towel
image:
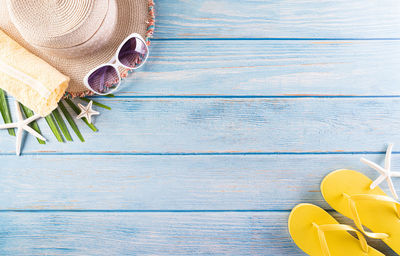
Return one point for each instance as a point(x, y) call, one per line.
point(31, 80)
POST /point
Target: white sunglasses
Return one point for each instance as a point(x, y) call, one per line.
point(106, 78)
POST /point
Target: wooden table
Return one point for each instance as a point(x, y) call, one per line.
point(241, 110)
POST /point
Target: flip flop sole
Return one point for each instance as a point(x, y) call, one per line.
point(380, 217)
point(305, 234)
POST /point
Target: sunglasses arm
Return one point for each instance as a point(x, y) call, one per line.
point(112, 61)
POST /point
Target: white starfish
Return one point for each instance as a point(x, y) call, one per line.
point(87, 112)
point(21, 125)
point(386, 173)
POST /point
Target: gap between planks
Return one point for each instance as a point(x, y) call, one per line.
point(276, 39)
point(247, 96)
point(143, 211)
point(195, 153)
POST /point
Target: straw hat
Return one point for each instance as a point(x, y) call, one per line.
point(75, 36)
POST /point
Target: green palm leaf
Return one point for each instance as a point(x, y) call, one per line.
point(71, 121)
point(62, 125)
point(54, 128)
point(5, 111)
point(76, 109)
point(96, 103)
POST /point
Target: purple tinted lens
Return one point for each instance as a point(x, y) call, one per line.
point(104, 79)
point(133, 53)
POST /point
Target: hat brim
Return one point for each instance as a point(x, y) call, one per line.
point(134, 16)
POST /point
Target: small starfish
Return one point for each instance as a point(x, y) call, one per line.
point(21, 125)
point(87, 112)
point(386, 173)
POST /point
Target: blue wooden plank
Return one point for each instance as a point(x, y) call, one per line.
point(177, 183)
point(197, 68)
point(144, 234)
point(66, 233)
point(232, 125)
point(269, 18)
point(129, 182)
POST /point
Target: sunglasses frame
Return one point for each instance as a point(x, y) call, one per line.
point(115, 63)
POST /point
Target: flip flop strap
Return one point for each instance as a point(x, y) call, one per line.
point(356, 217)
point(337, 227)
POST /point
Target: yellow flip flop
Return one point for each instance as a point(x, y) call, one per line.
point(318, 234)
point(349, 192)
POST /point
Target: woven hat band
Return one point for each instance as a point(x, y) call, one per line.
point(64, 27)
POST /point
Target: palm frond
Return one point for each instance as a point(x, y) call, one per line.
point(62, 125)
point(54, 128)
point(71, 121)
point(5, 111)
point(96, 103)
point(75, 108)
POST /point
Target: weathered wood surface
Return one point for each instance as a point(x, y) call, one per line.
point(242, 109)
point(278, 19)
point(170, 183)
point(93, 233)
point(232, 125)
point(253, 67)
point(133, 233)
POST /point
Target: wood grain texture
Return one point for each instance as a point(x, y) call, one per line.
point(176, 183)
point(232, 125)
point(145, 234)
point(211, 142)
point(268, 68)
point(66, 233)
point(269, 18)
